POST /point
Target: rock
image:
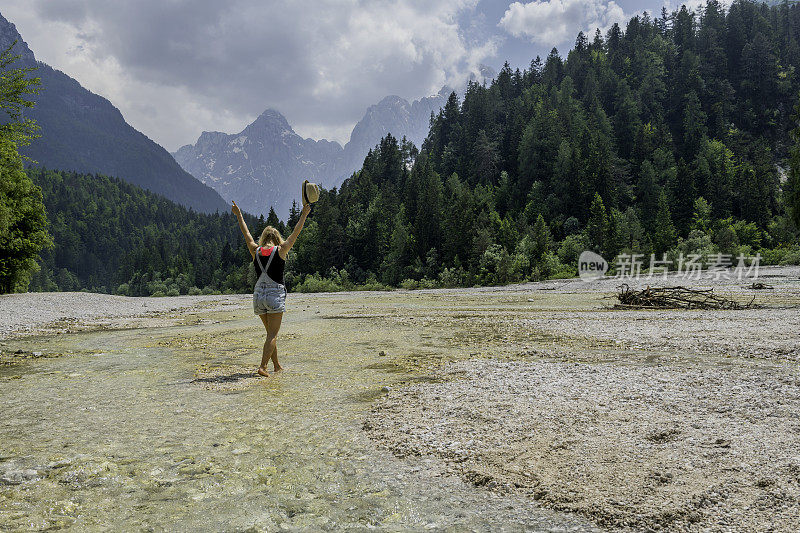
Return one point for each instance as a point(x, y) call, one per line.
point(386, 389)
point(382, 353)
point(15, 477)
point(59, 463)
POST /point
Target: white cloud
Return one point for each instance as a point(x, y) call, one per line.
point(179, 67)
point(558, 21)
point(692, 5)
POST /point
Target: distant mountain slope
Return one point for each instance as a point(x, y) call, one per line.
point(264, 165)
point(84, 132)
point(393, 115)
point(261, 166)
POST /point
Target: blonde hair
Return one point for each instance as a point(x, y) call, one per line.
point(270, 236)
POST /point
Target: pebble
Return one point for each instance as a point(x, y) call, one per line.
point(502, 410)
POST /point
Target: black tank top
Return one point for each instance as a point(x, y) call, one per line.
point(275, 270)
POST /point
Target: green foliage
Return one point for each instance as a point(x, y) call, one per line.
point(111, 236)
point(664, 235)
point(597, 227)
point(701, 219)
point(316, 283)
point(23, 223)
point(15, 84)
point(793, 189)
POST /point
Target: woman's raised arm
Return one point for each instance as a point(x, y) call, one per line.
point(251, 244)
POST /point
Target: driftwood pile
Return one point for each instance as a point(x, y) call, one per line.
point(674, 298)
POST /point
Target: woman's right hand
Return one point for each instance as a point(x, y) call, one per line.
point(235, 209)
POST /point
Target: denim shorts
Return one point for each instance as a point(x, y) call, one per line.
point(269, 297)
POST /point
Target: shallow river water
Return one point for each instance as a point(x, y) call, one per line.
point(164, 429)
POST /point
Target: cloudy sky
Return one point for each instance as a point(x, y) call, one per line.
point(178, 67)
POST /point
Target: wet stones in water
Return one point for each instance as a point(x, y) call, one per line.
point(227, 377)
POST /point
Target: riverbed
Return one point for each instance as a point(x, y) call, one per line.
point(525, 408)
point(157, 422)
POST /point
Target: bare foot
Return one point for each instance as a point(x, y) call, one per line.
point(263, 372)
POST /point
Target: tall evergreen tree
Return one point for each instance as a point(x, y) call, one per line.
point(597, 227)
point(665, 235)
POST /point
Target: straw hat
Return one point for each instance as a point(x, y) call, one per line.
point(310, 192)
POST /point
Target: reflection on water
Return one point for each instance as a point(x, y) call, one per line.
point(131, 438)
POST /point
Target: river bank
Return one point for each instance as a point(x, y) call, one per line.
point(644, 420)
point(531, 407)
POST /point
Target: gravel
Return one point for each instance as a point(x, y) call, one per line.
point(647, 447)
point(645, 420)
point(51, 312)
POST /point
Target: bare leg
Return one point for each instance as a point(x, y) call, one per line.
point(272, 323)
point(267, 351)
point(274, 326)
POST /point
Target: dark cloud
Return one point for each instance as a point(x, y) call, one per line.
point(319, 62)
point(176, 67)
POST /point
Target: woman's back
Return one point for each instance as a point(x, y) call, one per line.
point(276, 266)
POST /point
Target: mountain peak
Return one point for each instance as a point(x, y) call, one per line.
point(392, 99)
point(272, 119)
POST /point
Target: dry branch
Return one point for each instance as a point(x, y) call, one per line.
point(674, 298)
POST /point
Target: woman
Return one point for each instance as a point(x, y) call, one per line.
point(269, 296)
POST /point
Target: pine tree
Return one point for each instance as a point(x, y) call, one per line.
point(647, 195)
point(541, 239)
point(428, 218)
point(553, 70)
point(793, 186)
point(484, 157)
point(294, 215)
point(597, 226)
point(275, 222)
point(664, 237)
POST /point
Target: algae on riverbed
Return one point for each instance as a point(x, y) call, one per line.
point(163, 427)
point(542, 398)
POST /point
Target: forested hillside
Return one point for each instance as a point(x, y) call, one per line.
point(672, 136)
point(110, 236)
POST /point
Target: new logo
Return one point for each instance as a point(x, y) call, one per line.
point(591, 266)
